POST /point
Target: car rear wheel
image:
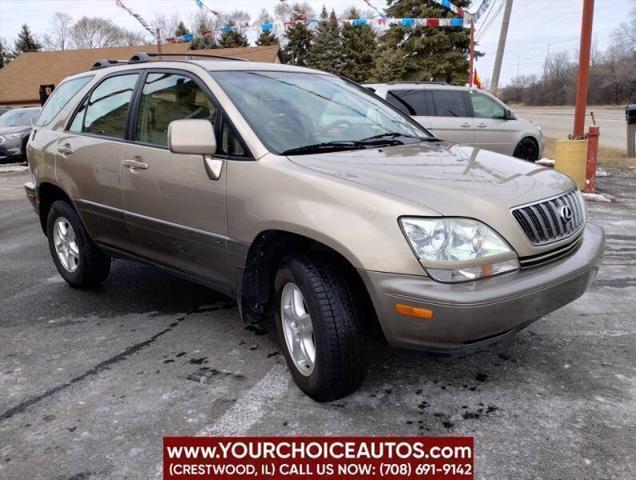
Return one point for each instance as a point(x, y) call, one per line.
point(527, 149)
point(76, 257)
point(318, 329)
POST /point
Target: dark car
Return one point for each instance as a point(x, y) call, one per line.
point(15, 128)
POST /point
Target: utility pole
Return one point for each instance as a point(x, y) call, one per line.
point(472, 55)
point(582, 79)
point(501, 47)
point(158, 40)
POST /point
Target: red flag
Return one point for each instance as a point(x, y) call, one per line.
point(476, 80)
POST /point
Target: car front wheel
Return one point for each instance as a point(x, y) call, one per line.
point(318, 328)
point(76, 257)
point(527, 149)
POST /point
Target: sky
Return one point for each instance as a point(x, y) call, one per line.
point(536, 26)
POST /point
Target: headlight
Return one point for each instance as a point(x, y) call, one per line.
point(458, 249)
point(13, 136)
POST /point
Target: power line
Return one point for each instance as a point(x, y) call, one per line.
point(482, 31)
point(486, 17)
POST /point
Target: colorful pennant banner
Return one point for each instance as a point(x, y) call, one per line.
point(450, 6)
point(375, 23)
point(138, 17)
point(480, 11)
point(380, 23)
point(376, 9)
point(203, 6)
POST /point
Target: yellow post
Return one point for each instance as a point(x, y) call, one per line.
point(571, 158)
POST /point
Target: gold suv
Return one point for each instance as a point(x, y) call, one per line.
point(313, 202)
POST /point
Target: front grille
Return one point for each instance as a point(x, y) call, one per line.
point(550, 220)
point(551, 256)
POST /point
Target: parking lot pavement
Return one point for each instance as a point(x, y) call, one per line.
point(91, 381)
point(557, 122)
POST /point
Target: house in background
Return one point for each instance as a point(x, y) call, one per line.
point(21, 80)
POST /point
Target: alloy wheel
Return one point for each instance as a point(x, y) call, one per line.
point(65, 244)
point(298, 329)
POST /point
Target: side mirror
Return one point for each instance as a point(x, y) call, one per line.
point(508, 115)
point(195, 137)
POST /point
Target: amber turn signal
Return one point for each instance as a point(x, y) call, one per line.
point(409, 311)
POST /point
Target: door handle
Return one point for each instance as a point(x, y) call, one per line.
point(482, 125)
point(135, 165)
point(465, 125)
point(65, 149)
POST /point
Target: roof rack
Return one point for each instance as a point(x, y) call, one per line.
point(143, 57)
point(105, 63)
point(393, 82)
point(146, 57)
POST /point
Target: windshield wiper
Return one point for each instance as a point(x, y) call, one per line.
point(396, 135)
point(335, 146)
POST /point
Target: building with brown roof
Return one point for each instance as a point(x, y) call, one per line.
point(20, 80)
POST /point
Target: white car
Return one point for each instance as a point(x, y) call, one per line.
point(465, 115)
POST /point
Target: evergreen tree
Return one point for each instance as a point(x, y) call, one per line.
point(359, 47)
point(200, 42)
point(181, 29)
point(232, 38)
point(267, 38)
point(299, 38)
point(3, 55)
point(326, 49)
point(26, 42)
point(433, 53)
point(390, 64)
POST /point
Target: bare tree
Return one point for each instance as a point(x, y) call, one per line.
point(239, 17)
point(263, 17)
point(167, 24)
point(352, 13)
point(283, 11)
point(102, 32)
point(624, 37)
point(204, 21)
point(59, 32)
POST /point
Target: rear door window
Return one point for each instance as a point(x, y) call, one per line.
point(449, 103)
point(411, 102)
point(104, 112)
point(60, 97)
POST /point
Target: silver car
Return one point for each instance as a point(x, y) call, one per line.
point(467, 116)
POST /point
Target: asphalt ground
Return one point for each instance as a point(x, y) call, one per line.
point(90, 382)
point(558, 122)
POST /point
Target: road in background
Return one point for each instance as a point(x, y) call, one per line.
point(90, 381)
point(557, 122)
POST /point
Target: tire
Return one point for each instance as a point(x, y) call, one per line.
point(80, 262)
point(527, 149)
point(339, 365)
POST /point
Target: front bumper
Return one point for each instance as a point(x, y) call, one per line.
point(472, 314)
point(11, 151)
point(32, 195)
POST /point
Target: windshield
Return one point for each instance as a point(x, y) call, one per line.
point(290, 111)
point(19, 118)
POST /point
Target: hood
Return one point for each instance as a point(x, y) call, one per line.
point(453, 180)
point(16, 129)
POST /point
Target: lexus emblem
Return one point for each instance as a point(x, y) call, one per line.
point(565, 213)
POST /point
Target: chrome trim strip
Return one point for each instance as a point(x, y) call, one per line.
point(152, 219)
